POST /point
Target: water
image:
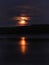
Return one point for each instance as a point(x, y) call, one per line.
point(24, 50)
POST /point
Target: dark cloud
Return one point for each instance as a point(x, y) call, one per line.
point(6, 13)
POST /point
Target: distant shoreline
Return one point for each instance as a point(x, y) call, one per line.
point(35, 29)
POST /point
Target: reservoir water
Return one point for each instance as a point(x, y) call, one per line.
point(23, 49)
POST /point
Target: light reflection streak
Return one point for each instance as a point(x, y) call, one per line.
point(23, 45)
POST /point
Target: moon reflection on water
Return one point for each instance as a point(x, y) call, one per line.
point(23, 45)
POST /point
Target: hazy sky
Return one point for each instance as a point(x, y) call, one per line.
point(43, 5)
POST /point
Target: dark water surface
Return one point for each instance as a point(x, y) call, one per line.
point(36, 51)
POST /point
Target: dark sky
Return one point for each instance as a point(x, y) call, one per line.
point(6, 5)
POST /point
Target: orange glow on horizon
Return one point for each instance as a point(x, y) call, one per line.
point(22, 20)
